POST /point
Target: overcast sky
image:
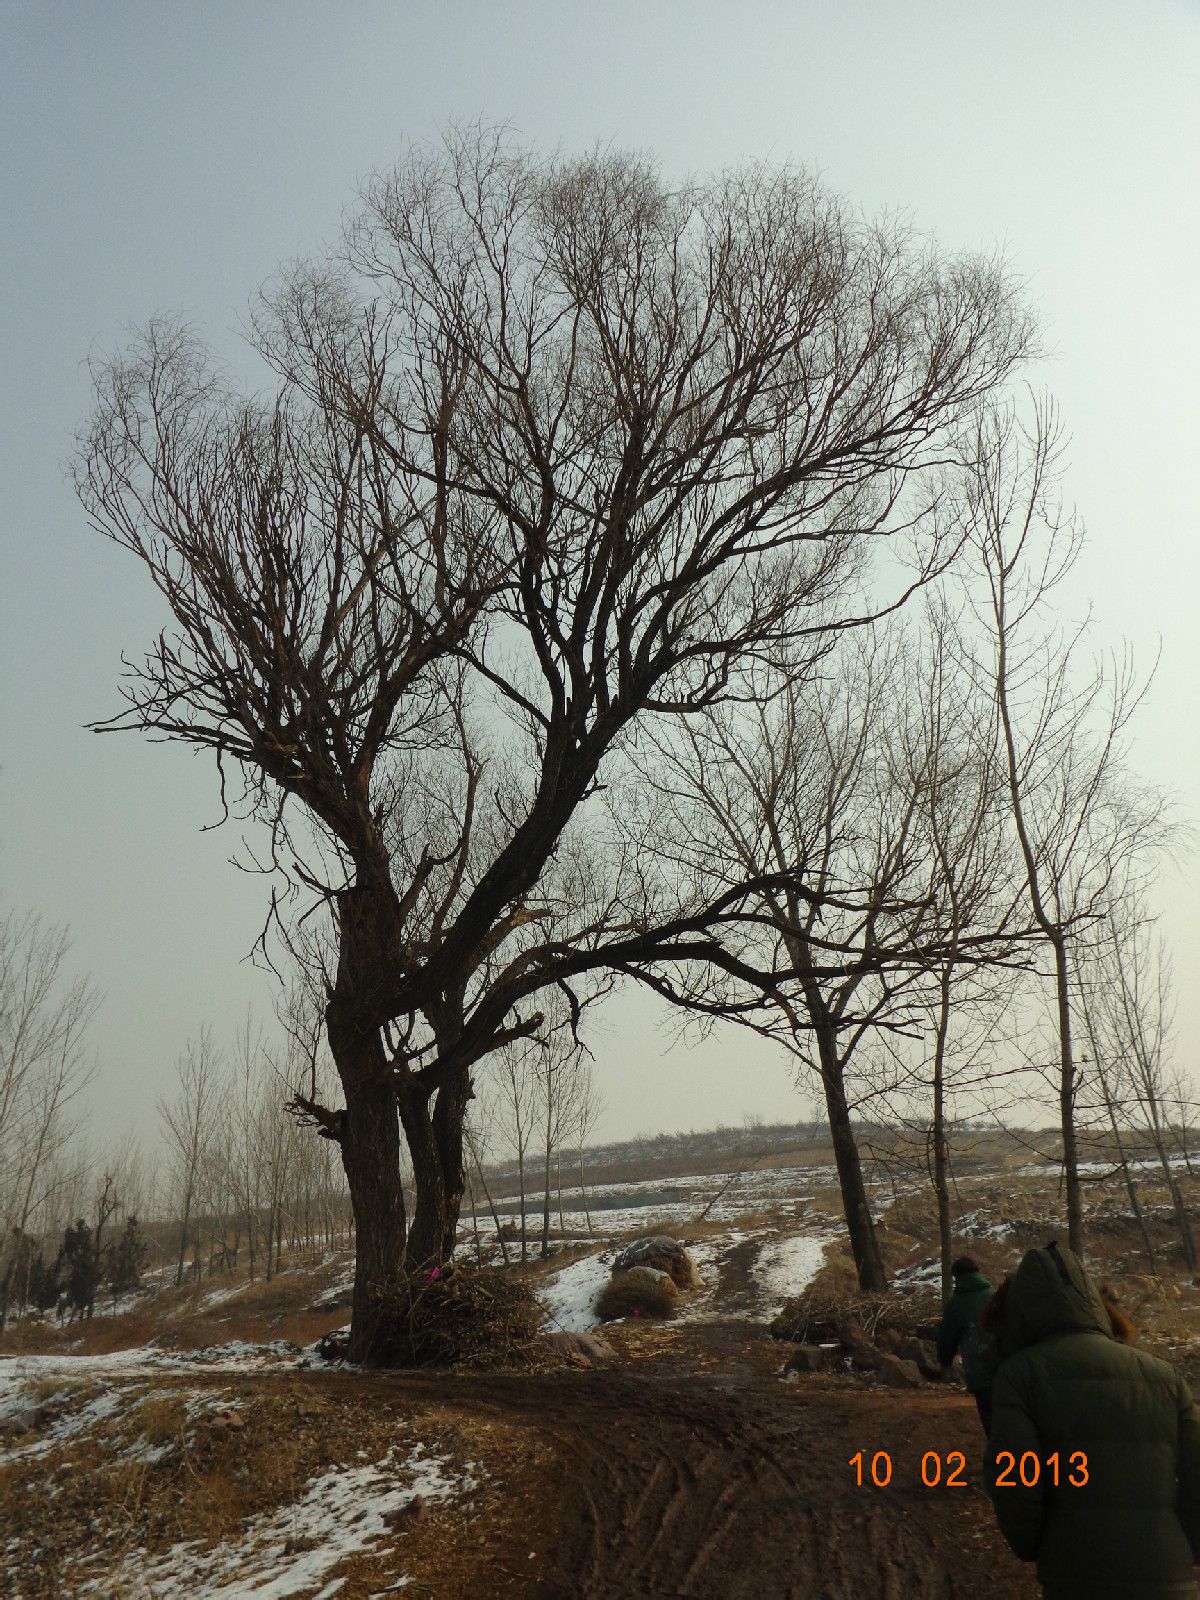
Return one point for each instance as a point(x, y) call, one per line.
point(167, 157)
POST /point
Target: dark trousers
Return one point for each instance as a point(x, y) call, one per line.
point(983, 1403)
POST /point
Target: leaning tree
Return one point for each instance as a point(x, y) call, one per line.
point(549, 446)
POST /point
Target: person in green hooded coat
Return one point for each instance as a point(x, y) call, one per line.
point(1093, 1460)
point(959, 1331)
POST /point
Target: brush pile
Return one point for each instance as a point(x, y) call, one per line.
point(459, 1317)
point(885, 1335)
point(819, 1315)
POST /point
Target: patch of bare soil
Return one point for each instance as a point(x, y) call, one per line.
point(696, 1472)
point(689, 1470)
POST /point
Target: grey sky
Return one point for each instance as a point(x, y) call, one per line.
point(160, 157)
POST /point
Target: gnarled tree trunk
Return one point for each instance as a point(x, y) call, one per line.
point(371, 1157)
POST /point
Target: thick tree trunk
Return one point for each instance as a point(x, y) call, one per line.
point(371, 1156)
point(859, 1222)
point(435, 1144)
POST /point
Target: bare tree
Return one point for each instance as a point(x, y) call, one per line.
point(476, 1135)
point(587, 1108)
point(950, 755)
point(44, 1017)
point(1108, 1092)
point(515, 1092)
point(796, 788)
point(188, 1122)
point(551, 438)
point(1075, 811)
point(1129, 1011)
point(554, 1071)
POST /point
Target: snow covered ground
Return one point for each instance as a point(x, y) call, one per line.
point(780, 1269)
point(289, 1551)
point(785, 1266)
point(570, 1295)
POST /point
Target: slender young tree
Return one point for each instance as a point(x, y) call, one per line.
point(476, 1136)
point(949, 756)
point(1130, 1015)
point(188, 1122)
point(1075, 812)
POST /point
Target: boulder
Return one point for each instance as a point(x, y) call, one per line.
point(662, 1254)
point(807, 1358)
point(582, 1349)
point(925, 1357)
point(859, 1348)
point(22, 1419)
point(897, 1373)
point(910, 1348)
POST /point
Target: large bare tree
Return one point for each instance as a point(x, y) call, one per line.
point(552, 445)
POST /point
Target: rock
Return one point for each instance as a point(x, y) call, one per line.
point(417, 1510)
point(23, 1419)
point(859, 1348)
point(227, 1420)
point(661, 1254)
point(897, 1373)
point(582, 1349)
point(807, 1358)
point(925, 1357)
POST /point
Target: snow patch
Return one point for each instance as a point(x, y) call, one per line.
point(290, 1551)
point(787, 1266)
point(570, 1295)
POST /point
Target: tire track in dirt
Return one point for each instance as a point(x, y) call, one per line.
point(686, 1487)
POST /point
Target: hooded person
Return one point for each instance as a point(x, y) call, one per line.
point(1103, 1486)
point(959, 1331)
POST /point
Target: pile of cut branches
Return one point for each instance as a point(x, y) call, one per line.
point(459, 1316)
point(820, 1313)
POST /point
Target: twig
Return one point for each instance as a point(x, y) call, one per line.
point(718, 1194)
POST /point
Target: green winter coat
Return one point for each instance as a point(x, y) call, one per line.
point(960, 1329)
point(1065, 1384)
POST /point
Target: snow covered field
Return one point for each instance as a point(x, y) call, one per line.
point(779, 1268)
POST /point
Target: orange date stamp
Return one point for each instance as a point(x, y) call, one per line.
point(949, 1471)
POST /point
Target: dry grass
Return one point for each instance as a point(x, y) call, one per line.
point(160, 1418)
point(96, 1498)
point(178, 1319)
point(637, 1293)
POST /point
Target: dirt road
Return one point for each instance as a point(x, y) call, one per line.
point(723, 1481)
